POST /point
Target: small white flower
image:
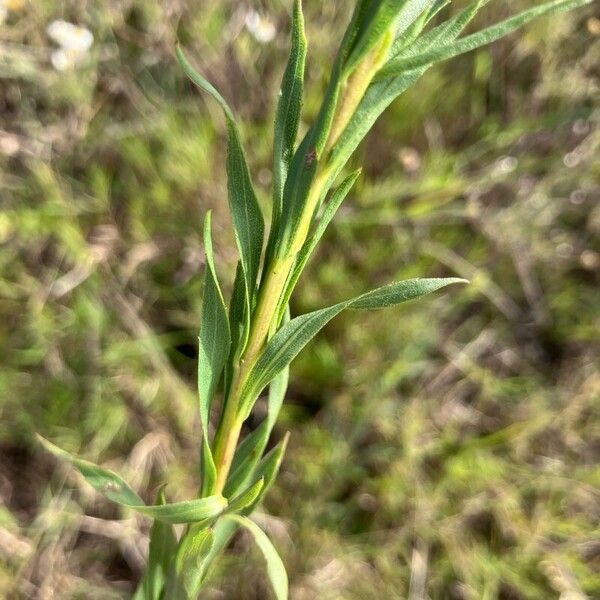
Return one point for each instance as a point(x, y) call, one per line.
point(74, 42)
point(260, 26)
point(62, 59)
point(69, 36)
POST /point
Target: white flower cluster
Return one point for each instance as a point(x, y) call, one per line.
point(74, 43)
point(260, 26)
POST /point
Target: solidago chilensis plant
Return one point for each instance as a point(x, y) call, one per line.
point(247, 346)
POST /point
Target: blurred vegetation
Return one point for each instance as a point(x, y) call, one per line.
point(447, 450)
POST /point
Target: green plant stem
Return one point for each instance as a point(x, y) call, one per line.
point(229, 428)
point(273, 287)
point(357, 85)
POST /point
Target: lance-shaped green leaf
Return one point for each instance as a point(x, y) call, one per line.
point(275, 567)
point(405, 38)
point(116, 489)
point(292, 337)
point(239, 314)
point(476, 40)
point(267, 472)
point(447, 32)
point(191, 564)
point(247, 217)
point(163, 545)
point(247, 497)
point(288, 109)
point(213, 349)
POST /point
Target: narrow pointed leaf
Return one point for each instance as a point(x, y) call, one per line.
point(215, 341)
point(163, 546)
point(476, 40)
point(275, 567)
point(239, 314)
point(383, 16)
point(247, 497)
point(292, 337)
point(116, 489)
point(191, 564)
point(410, 12)
point(288, 109)
point(405, 37)
point(247, 217)
point(442, 34)
point(267, 472)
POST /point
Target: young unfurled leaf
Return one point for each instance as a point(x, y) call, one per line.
point(475, 40)
point(292, 337)
point(116, 489)
point(382, 93)
point(163, 546)
point(288, 109)
point(213, 351)
point(247, 217)
point(275, 567)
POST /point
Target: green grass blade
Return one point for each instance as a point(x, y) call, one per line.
point(289, 107)
point(275, 567)
point(247, 217)
point(213, 350)
point(116, 489)
point(292, 337)
point(476, 40)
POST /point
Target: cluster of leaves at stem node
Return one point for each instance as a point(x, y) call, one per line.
point(247, 344)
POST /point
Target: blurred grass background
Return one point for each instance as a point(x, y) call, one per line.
point(447, 449)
